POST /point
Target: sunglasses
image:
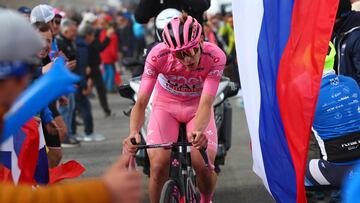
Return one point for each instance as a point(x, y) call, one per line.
point(57, 21)
point(187, 53)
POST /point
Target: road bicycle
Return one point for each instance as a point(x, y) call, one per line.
point(181, 186)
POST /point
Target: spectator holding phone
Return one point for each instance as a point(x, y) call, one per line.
point(66, 44)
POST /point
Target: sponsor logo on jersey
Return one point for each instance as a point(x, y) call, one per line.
point(163, 54)
point(216, 73)
point(149, 71)
point(181, 85)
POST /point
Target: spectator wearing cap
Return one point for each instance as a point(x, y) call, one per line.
point(94, 60)
point(50, 126)
point(45, 13)
point(117, 185)
point(66, 44)
point(25, 11)
point(109, 56)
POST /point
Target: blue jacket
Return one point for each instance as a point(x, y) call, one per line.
point(82, 60)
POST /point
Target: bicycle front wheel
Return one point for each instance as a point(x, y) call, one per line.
point(170, 193)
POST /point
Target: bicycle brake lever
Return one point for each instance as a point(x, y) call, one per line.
point(204, 156)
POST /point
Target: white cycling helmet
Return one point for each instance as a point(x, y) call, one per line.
point(163, 18)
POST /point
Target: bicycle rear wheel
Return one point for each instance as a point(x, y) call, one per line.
point(170, 192)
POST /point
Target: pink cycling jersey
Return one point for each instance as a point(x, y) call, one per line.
point(178, 91)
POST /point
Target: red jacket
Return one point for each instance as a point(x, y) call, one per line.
point(110, 54)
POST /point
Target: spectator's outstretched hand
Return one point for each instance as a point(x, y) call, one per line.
point(125, 186)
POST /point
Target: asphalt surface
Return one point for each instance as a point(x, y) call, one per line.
point(236, 182)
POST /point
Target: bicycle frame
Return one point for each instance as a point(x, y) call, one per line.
point(181, 170)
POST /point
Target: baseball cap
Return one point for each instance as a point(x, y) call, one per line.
point(89, 17)
point(42, 13)
point(24, 9)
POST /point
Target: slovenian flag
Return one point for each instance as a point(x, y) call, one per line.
point(23, 156)
point(281, 47)
point(23, 159)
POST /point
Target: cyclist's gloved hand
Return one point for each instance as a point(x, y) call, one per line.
point(198, 139)
point(128, 145)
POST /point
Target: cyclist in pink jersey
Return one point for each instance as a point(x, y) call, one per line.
point(185, 72)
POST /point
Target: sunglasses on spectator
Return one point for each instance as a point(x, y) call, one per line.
point(57, 21)
point(187, 53)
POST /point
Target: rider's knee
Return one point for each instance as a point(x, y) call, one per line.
point(158, 171)
point(205, 172)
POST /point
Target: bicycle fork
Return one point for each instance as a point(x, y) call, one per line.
point(177, 172)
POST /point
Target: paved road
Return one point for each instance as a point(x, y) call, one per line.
point(236, 182)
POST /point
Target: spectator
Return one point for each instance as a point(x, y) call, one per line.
point(209, 34)
point(346, 38)
point(227, 33)
point(25, 11)
point(140, 43)
point(336, 128)
point(109, 56)
point(50, 126)
point(94, 60)
point(44, 14)
point(117, 185)
point(148, 9)
point(86, 37)
point(66, 40)
point(125, 34)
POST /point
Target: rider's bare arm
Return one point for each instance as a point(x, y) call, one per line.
point(148, 81)
point(136, 120)
point(202, 116)
point(138, 113)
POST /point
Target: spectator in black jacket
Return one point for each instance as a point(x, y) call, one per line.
point(94, 62)
point(148, 9)
point(125, 34)
point(346, 38)
point(151, 8)
point(66, 44)
point(45, 14)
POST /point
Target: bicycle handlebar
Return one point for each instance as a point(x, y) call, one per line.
point(171, 145)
